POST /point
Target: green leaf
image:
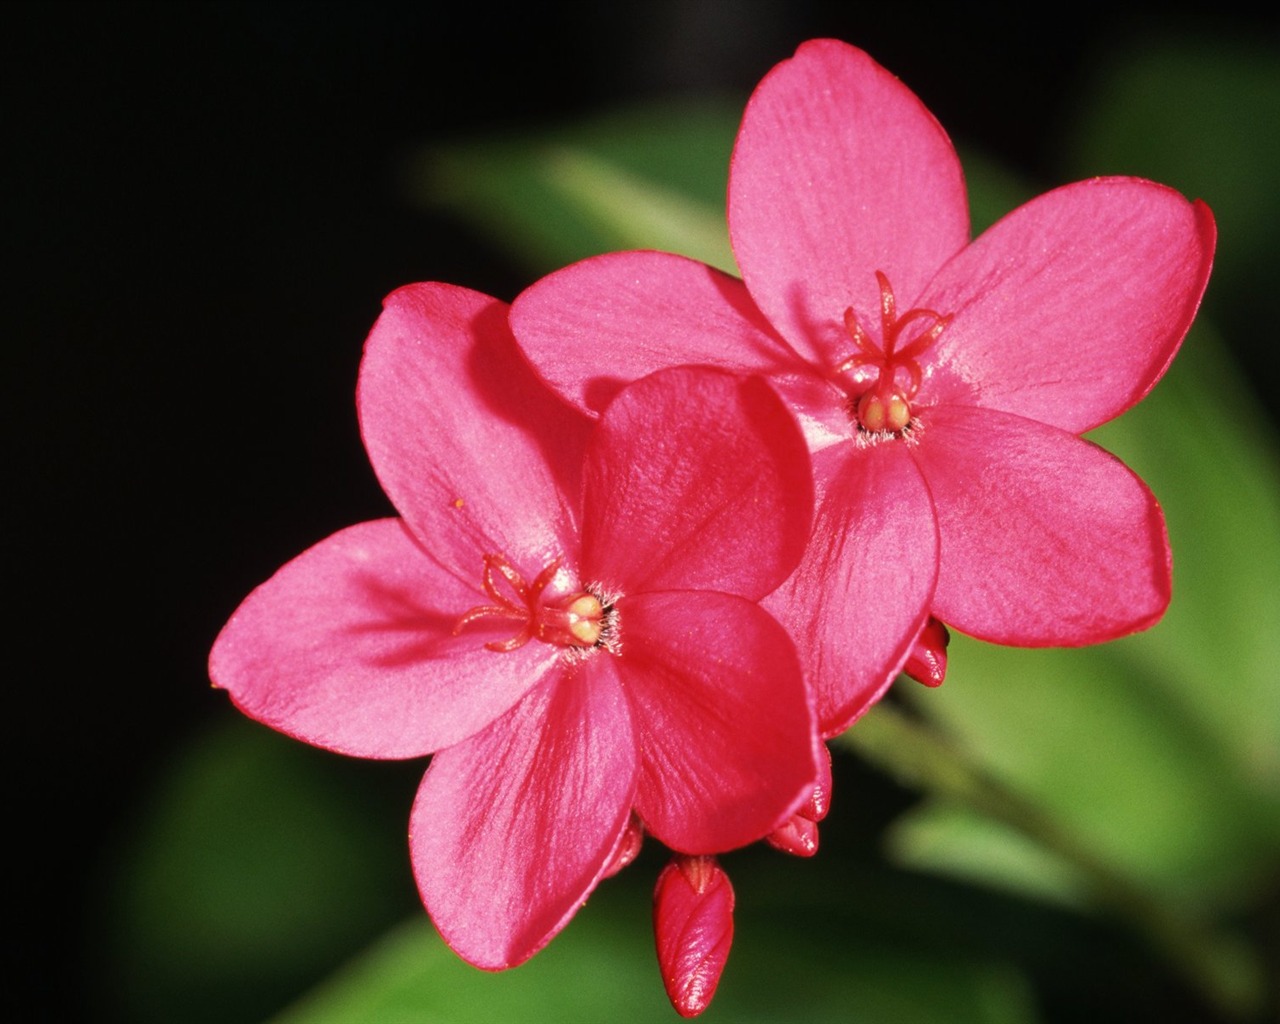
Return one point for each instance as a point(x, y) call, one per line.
point(260, 864)
point(651, 177)
point(602, 967)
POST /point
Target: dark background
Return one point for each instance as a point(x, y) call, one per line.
point(202, 215)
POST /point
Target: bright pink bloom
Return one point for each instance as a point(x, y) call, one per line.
point(567, 622)
point(942, 383)
point(693, 929)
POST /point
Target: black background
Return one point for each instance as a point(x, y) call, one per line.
point(202, 215)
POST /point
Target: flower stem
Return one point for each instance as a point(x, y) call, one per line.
point(1222, 968)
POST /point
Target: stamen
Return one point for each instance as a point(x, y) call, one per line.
point(883, 405)
point(580, 619)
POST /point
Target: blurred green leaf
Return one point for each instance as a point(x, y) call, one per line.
point(646, 178)
point(602, 967)
point(259, 864)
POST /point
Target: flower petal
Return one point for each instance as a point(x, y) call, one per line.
point(476, 455)
point(593, 327)
point(513, 827)
point(350, 647)
point(695, 478)
point(1046, 538)
point(839, 171)
point(722, 717)
point(863, 588)
point(1070, 309)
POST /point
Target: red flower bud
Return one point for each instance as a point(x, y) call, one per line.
point(927, 662)
point(799, 834)
point(628, 847)
point(693, 926)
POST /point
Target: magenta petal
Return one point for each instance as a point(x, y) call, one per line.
point(513, 827)
point(1069, 309)
point(597, 325)
point(350, 647)
point(699, 479)
point(862, 591)
point(839, 171)
point(723, 719)
point(477, 456)
point(1046, 539)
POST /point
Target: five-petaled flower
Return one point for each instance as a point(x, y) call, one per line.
point(565, 616)
point(942, 383)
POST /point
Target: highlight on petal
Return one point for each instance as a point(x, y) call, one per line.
point(1070, 309)
point(350, 647)
point(863, 588)
point(693, 929)
point(597, 325)
point(722, 718)
point(695, 478)
point(473, 451)
point(513, 827)
point(839, 171)
point(1046, 539)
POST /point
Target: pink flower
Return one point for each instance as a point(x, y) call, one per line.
point(941, 383)
point(566, 619)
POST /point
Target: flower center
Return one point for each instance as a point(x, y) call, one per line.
point(579, 619)
point(889, 375)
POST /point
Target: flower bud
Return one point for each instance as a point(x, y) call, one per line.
point(693, 927)
point(798, 835)
point(927, 662)
point(628, 847)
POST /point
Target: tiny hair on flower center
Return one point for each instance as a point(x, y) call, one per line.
point(888, 375)
point(579, 620)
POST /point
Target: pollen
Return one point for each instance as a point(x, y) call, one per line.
point(878, 412)
point(585, 619)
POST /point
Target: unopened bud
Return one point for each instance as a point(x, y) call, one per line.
point(799, 834)
point(927, 662)
point(628, 847)
point(693, 928)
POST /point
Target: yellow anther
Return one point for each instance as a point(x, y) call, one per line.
point(875, 413)
point(586, 618)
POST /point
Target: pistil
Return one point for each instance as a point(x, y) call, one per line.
point(578, 619)
point(885, 404)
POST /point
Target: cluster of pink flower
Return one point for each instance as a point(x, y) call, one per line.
point(664, 531)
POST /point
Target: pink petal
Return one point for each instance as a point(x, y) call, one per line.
point(513, 827)
point(597, 325)
point(1046, 539)
point(839, 171)
point(350, 646)
point(1070, 309)
point(695, 478)
point(693, 929)
point(722, 718)
point(862, 591)
point(478, 457)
